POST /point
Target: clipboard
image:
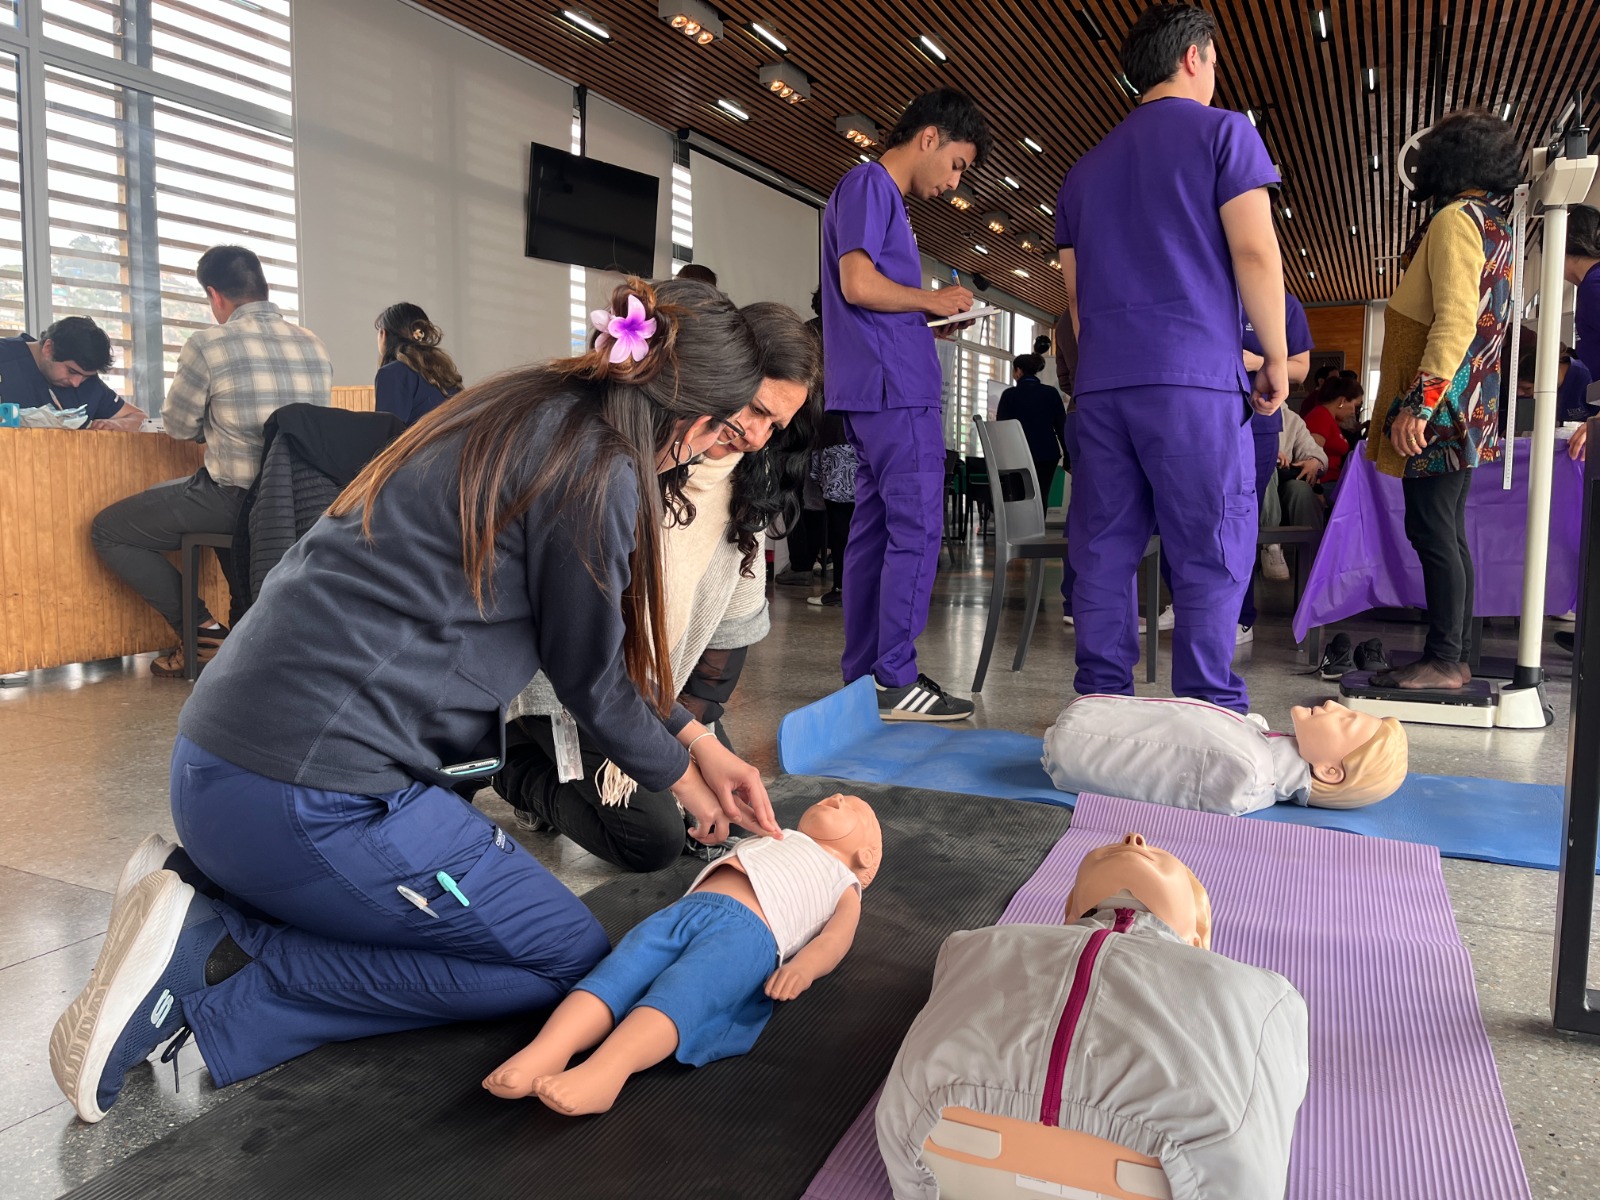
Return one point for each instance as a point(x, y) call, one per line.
point(972, 314)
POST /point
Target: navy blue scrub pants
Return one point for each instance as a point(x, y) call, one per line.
point(342, 954)
point(1180, 458)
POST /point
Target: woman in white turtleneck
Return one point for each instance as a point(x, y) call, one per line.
point(716, 600)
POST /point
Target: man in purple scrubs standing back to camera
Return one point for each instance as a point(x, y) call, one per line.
point(1164, 228)
point(883, 376)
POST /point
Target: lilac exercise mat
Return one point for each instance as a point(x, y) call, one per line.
point(1404, 1101)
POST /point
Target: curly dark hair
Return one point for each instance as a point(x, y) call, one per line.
point(1160, 38)
point(768, 483)
point(1583, 231)
point(1466, 150)
point(954, 114)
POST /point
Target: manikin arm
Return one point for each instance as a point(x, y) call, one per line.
point(821, 954)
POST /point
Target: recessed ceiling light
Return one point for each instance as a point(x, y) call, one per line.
point(767, 36)
point(980, 249)
point(695, 19)
point(588, 24)
point(1047, 210)
point(1123, 82)
point(927, 45)
point(1013, 184)
point(1375, 166)
point(1255, 120)
point(1302, 251)
point(858, 128)
point(1288, 213)
point(1033, 145)
point(785, 81)
point(1321, 19)
point(1019, 271)
point(865, 157)
point(1352, 231)
point(1372, 79)
point(1090, 25)
point(1380, 270)
point(1505, 111)
point(733, 110)
point(1311, 274)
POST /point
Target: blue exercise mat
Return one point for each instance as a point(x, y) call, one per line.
point(842, 737)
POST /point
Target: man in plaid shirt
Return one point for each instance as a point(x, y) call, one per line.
point(230, 379)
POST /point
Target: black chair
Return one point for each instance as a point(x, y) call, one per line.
point(189, 567)
point(1020, 533)
point(1304, 540)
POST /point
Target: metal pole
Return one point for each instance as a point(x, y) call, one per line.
point(1542, 464)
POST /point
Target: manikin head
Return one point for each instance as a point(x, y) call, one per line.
point(847, 828)
point(1355, 758)
point(1155, 878)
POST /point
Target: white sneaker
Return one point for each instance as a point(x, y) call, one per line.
point(1066, 619)
point(1567, 618)
point(1273, 565)
point(1165, 621)
point(1247, 633)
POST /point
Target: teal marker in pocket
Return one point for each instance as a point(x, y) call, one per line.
point(449, 885)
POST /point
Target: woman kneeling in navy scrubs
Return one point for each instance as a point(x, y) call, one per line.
point(330, 885)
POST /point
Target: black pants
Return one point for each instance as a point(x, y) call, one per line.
point(1045, 473)
point(839, 515)
point(807, 540)
point(645, 834)
point(1436, 524)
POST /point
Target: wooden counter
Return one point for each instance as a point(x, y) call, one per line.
point(58, 602)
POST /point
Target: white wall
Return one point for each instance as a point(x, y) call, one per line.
point(412, 141)
point(762, 244)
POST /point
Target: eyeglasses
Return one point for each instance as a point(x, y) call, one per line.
point(732, 432)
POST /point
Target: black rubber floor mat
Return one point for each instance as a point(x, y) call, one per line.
point(404, 1116)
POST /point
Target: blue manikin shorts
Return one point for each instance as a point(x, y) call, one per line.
point(703, 962)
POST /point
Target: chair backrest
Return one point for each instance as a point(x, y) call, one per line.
point(1014, 489)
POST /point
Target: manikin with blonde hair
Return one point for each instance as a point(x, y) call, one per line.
point(1216, 760)
point(1116, 1054)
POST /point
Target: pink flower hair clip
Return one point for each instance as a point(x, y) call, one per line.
point(629, 336)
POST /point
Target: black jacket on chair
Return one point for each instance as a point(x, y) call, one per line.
point(310, 453)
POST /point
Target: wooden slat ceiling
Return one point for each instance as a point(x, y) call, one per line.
point(1038, 73)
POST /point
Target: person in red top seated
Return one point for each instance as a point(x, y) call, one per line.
point(1336, 406)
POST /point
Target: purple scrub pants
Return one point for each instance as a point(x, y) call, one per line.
point(1181, 459)
point(1264, 432)
point(895, 532)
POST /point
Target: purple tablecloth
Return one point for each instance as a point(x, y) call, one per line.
point(1365, 561)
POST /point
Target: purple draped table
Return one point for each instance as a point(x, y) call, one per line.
point(1366, 562)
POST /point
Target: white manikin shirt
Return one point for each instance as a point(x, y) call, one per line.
point(797, 882)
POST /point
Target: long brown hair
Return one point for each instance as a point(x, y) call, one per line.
point(409, 336)
point(702, 361)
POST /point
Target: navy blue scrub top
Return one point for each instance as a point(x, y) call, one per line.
point(23, 384)
point(405, 393)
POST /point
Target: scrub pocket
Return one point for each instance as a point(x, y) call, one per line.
point(1236, 536)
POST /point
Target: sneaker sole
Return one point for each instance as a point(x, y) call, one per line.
point(900, 714)
point(137, 949)
point(149, 857)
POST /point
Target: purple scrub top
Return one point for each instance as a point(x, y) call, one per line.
point(1157, 300)
point(1586, 319)
point(1294, 324)
point(873, 360)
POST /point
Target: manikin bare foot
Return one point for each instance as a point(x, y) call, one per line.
point(514, 1078)
point(581, 1090)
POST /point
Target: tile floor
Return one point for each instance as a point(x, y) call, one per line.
point(83, 756)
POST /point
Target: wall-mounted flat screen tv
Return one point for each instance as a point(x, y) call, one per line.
point(590, 213)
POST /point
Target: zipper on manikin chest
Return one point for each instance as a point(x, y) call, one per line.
point(1077, 998)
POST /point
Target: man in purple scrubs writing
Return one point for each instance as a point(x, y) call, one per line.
point(882, 375)
point(1164, 229)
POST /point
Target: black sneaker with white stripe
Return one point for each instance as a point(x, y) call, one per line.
point(923, 700)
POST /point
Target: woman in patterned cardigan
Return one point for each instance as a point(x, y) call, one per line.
point(1439, 389)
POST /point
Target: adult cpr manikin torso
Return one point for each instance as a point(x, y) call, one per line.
point(1184, 753)
point(1184, 1057)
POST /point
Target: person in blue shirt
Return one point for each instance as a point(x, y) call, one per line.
point(414, 375)
point(61, 370)
point(1043, 415)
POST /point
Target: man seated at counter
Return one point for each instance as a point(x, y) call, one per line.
point(61, 371)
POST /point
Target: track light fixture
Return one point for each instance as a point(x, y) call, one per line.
point(858, 129)
point(786, 81)
point(695, 19)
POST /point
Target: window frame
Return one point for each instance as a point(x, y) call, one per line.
point(35, 54)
